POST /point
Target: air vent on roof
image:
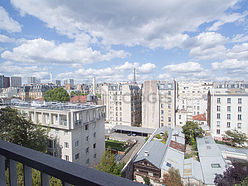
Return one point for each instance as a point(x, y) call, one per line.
point(146, 153)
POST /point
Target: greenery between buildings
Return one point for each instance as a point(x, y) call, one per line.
point(234, 138)
point(116, 145)
point(163, 137)
point(57, 94)
point(108, 163)
point(191, 131)
point(146, 180)
point(172, 178)
point(77, 93)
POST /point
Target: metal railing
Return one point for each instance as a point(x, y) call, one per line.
point(68, 172)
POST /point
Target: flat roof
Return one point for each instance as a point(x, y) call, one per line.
point(134, 129)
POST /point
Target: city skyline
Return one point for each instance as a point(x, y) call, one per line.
point(193, 41)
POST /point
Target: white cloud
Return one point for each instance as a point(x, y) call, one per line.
point(228, 19)
point(7, 23)
point(6, 39)
point(231, 65)
point(146, 68)
point(239, 38)
point(187, 67)
point(239, 52)
point(127, 22)
point(44, 51)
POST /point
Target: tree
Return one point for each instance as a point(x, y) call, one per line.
point(108, 163)
point(234, 138)
point(245, 181)
point(146, 180)
point(233, 175)
point(57, 94)
point(192, 130)
point(17, 129)
point(172, 178)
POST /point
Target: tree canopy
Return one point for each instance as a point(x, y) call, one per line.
point(108, 163)
point(172, 178)
point(233, 175)
point(15, 128)
point(57, 94)
point(192, 130)
point(234, 138)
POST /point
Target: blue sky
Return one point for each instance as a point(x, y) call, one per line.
point(197, 40)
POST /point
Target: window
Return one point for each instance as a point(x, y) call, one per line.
point(94, 155)
point(218, 108)
point(66, 145)
point(66, 157)
point(162, 112)
point(179, 116)
point(228, 116)
point(228, 100)
point(87, 150)
point(94, 134)
point(218, 123)
point(218, 100)
point(215, 165)
point(218, 131)
point(239, 100)
point(239, 125)
point(229, 108)
point(87, 138)
point(239, 109)
point(86, 127)
point(198, 107)
point(169, 92)
point(228, 124)
point(169, 119)
point(239, 117)
point(76, 143)
point(162, 105)
point(169, 106)
point(168, 164)
point(94, 146)
point(76, 156)
point(218, 115)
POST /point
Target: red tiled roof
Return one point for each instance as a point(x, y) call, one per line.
point(78, 99)
point(200, 117)
point(177, 146)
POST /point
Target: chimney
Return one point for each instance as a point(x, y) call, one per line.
point(146, 153)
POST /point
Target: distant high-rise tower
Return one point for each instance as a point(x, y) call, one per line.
point(51, 77)
point(134, 76)
point(94, 86)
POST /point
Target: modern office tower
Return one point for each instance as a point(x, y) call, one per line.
point(58, 82)
point(16, 81)
point(33, 80)
point(158, 104)
point(1, 81)
point(123, 104)
point(69, 81)
point(6, 82)
point(76, 132)
point(227, 111)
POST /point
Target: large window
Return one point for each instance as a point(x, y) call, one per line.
point(218, 131)
point(228, 100)
point(228, 108)
point(239, 100)
point(218, 115)
point(76, 156)
point(239, 109)
point(228, 124)
point(228, 116)
point(239, 117)
point(218, 100)
point(218, 108)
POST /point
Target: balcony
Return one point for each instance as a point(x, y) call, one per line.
point(68, 172)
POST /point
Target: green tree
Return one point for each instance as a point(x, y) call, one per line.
point(192, 130)
point(17, 129)
point(245, 181)
point(172, 178)
point(235, 138)
point(108, 164)
point(146, 180)
point(73, 94)
point(57, 94)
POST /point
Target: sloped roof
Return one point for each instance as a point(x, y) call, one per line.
point(200, 117)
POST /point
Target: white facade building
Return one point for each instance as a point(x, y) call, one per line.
point(123, 104)
point(227, 111)
point(76, 131)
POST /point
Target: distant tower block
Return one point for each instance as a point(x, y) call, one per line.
point(134, 76)
point(94, 86)
point(51, 77)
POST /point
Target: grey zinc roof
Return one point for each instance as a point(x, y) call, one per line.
point(133, 129)
point(192, 169)
point(210, 156)
point(155, 148)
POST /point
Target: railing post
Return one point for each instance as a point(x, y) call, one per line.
point(44, 179)
point(27, 175)
point(2, 170)
point(12, 173)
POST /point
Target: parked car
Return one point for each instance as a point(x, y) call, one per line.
point(129, 134)
point(134, 134)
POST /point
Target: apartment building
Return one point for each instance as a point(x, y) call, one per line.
point(123, 103)
point(1, 81)
point(158, 104)
point(33, 80)
point(16, 81)
point(227, 111)
point(69, 82)
point(6, 82)
point(76, 132)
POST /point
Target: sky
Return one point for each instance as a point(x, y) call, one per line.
point(107, 39)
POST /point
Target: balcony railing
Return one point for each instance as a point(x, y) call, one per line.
point(68, 172)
